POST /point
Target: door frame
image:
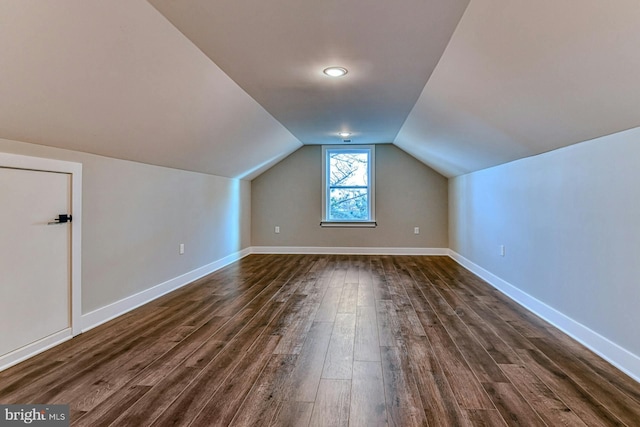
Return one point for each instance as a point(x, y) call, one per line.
point(17, 161)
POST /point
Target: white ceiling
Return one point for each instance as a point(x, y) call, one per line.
point(231, 87)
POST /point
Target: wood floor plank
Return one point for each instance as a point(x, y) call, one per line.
point(13, 380)
point(107, 386)
point(329, 305)
point(490, 318)
point(216, 366)
point(118, 372)
point(224, 403)
point(293, 340)
point(297, 325)
point(404, 405)
point(409, 322)
point(596, 364)
point(389, 332)
point(544, 401)
point(157, 370)
point(293, 414)
point(590, 411)
point(90, 391)
point(305, 378)
point(48, 385)
point(368, 406)
point(503, 329)
point(203, 370)
point(480, 362)
point(486, 336)
point(349, 298)
point(338, 363)
point(192, 401)
point(408, 319)
point(462, 380)
point(378, 279)
point(366, 295)
point(197, 394)
point(297, 319)
point(626, 408)
point(261, 290)
point(111, 408)
point(484, 417)
point(365, 274)
point(260, 406)
point(527, 325)
point(465, 385)
point(367, 344)
point(353, 270)
point(397, 280)
point(438, 400)
point(209, 349)
point(331, 408)
point(148, 406)
point(514, 408)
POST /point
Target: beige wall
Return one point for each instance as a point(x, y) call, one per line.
point(136, 215)
point(408, 195)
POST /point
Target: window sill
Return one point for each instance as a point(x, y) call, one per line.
point(349, 224)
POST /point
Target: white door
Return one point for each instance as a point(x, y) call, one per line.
point(35, 258)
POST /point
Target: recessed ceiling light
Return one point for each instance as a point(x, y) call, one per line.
point(335, 71)
point(344, 134)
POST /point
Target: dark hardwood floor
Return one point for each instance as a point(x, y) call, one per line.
point(327, 340)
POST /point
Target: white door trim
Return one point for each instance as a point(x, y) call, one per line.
point(75, 170)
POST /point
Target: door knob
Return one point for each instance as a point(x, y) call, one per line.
point(62, 218)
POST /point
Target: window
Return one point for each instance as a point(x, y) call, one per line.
point(348, 186)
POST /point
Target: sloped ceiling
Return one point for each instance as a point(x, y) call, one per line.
point(230, 87)
point(523, 77)
point(115, 78)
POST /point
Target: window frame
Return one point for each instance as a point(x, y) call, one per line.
point(326, 188)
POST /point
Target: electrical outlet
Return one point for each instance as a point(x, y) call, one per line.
point(277, 229)
point(181, 248)
point(501, 250)
point(416, 230)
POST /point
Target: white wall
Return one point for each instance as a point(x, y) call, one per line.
point(570, 223)
point(136, 215)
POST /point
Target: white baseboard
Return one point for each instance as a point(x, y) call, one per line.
point(30, 350)
point(618, 356)
point(118, 308)
point(347, 250)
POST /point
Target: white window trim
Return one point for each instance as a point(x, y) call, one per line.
point(369, 223)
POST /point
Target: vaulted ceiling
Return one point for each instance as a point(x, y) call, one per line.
point(231, 87)
point(276, 51)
